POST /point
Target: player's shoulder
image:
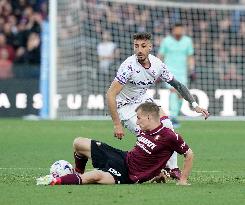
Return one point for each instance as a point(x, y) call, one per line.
point(154, 59)
point(129, 61)
point(157, 63)
point(168, 133)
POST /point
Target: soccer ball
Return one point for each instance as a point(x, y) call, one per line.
point(61, 168)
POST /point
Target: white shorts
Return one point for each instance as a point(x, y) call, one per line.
point(131, 125)
point(128, 116)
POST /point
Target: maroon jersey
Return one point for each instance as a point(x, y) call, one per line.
point(152, 151)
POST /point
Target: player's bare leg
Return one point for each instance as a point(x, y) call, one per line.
point(176, 101)
point(82, 151)
point(172, 164)
point(97, 177)
point(82, 146)
point(91, 177)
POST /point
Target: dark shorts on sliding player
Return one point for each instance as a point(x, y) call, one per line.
point(109, 159)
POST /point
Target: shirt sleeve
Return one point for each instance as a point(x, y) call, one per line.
point(178, 144)
point(190, 49)
point(124, 73)
point(166, 75)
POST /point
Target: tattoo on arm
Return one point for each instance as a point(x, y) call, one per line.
point(183, 90)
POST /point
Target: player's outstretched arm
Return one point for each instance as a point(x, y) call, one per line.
point(186, 168)
point(185, 93)
point(111, 94)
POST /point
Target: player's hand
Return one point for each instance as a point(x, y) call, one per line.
point(118, 131)
point(204, 112)
point(161, 178)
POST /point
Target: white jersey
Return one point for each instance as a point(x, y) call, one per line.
point(137, 79)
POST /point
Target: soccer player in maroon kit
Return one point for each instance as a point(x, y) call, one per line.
point(154, 146)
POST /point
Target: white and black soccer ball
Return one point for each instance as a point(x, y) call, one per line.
point(61, 168)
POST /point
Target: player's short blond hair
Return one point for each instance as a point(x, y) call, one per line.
point(149, 108)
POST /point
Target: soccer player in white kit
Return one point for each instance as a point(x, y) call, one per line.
point(128, 90)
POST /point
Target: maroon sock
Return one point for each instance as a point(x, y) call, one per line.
point(80, 163)
point(69, 179)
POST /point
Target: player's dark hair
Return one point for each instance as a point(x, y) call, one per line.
point(149, 107)
point(142, 36)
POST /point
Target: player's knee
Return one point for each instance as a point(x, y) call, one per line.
point(78, 143)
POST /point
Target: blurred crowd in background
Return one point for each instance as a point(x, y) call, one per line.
point(218, 34)
point(191, 1)
point(20, 28)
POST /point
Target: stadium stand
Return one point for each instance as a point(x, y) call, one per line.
point(20, 28)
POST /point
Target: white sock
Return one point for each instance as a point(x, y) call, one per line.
point(166, 122)
point(172, 162)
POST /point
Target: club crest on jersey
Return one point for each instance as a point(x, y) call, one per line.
point(157, 137)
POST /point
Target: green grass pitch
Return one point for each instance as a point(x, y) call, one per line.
point(28, 148)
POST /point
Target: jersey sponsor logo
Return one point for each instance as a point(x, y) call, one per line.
point(147, 142)
point(114, 172)
point(145, 83)
point(143, 147)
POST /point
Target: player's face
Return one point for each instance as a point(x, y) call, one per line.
point(142, 49)
point(143, 120)
point(178, 32)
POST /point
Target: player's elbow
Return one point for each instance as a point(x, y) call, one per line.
point(110, 94)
